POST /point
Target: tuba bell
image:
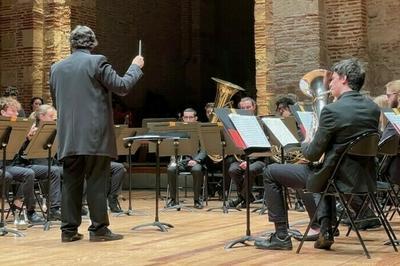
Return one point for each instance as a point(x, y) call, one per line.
point(225, 91)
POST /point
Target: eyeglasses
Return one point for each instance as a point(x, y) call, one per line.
point(390, 94)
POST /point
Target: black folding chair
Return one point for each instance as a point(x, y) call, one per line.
point(365, 145)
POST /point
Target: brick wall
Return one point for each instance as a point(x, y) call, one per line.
point(383, 43)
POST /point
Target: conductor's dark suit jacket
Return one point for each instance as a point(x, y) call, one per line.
point(81, 87)
point(340, 122)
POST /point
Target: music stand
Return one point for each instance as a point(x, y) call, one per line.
point(13, 133)
point(157, 139)
point(284, 137)
point(127, 147)
point(43, 145)
point(247, 134)
point(216, 142)
point(185, 142)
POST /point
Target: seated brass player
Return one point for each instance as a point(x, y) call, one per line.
point(349, 116)
point(191, 163)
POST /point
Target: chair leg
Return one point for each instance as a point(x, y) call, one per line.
point(384, 221)
point(348, 212)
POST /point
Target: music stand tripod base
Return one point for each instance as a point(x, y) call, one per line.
point(242, 240)
point(160, 225)
point(4, 231)
point(177, 207)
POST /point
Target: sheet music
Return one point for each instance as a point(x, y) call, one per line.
point(306, 119)
point(250, 130)
point(394, 119)
point(280, 131)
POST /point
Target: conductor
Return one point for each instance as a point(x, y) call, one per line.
point(81, 87)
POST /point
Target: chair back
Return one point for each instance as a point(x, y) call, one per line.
point(364, 145)
point(389, 146)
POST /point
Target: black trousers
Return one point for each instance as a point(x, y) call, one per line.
point(239, 175)
point(96, 170)
point(277, 176)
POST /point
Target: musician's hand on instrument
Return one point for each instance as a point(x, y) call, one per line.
point(243, 165)
point(31, 132)
point(138, 60)
point(192, 163)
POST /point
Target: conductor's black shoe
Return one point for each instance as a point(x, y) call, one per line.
point(274, 243)
point(34, 218)
point(324, 241)
point(198, 205)
point(55, 214)
point(113, 205)
point(171, 203)
point(70, 237)
point(104, 235)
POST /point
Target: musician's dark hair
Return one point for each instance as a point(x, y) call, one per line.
point(353, 70)
point(245, 99)
point(284, 101)
point(36, 98)
point(190, 110)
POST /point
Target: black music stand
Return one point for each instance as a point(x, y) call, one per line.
point(13, 134)
point(127, 147)
point(185, 141)
point(216, 142)
point(43, 145)
point(284, 137)
point(157, 139)
point(247, 134)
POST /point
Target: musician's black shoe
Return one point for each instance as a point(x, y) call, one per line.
point(198, 205)
point(84, 211)
point(34, 218)
point(274, 243)
point(104, 235)
point(113, 204)
point(171, 203)
point(234, 203)
point(324, 241)
point(55, 214)
point(70, 237)
point(299, 207)
point(251, 199)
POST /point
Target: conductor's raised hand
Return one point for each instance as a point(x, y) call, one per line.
point(138, 60)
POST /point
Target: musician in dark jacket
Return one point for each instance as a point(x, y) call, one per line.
point(351, 115)
point(81, 87)
point(191, 163)
point(392, 164)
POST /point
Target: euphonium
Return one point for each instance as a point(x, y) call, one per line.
point(225, 91)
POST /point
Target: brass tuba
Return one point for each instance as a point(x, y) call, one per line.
point(314, 84)
point(225, 91)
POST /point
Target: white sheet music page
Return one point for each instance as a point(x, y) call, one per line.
point(250, 130)
point(394, 119)
point(280, 131)
point(306, 119)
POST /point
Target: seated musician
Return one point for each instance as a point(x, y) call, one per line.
point(192, 163)
point(48, 113)
point(9, 108)
point(40, 166)
point(392, 164)
point(340, 122)
point(237, 169)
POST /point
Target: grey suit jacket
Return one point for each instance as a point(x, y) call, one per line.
point(340, 122)
point(81, 87)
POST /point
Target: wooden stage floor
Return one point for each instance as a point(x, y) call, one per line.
point(198, 238)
